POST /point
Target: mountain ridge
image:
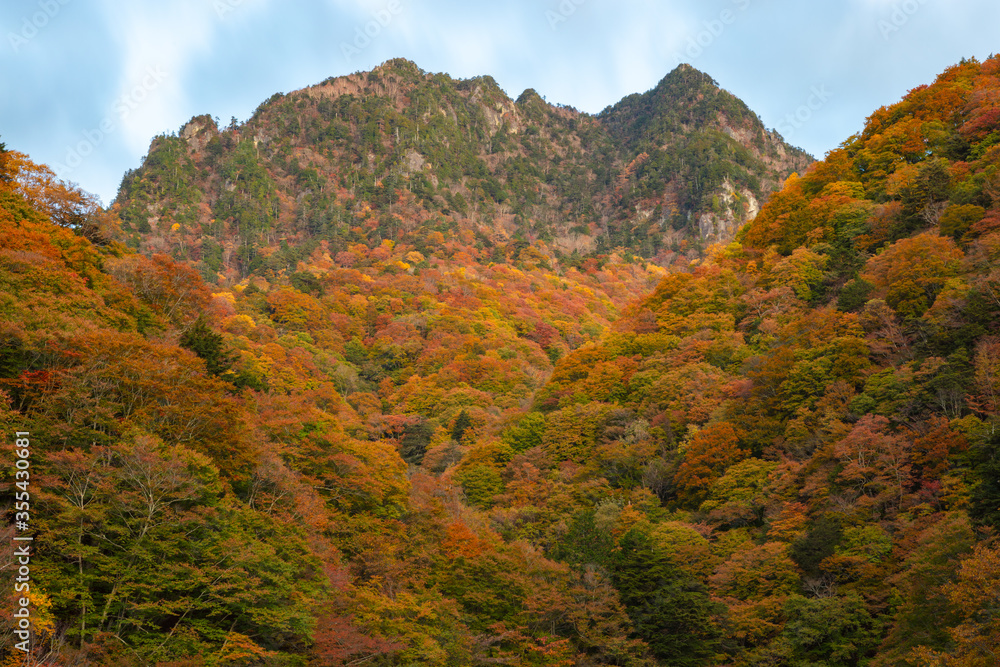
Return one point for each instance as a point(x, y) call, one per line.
point(466, 151)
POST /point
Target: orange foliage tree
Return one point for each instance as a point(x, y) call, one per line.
point(709, 453)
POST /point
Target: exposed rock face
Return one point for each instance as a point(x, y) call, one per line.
point(735, 209)
point(198, 131)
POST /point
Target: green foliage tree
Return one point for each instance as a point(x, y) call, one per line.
point(817, 544)
point(670, 609)
point(144, 548)
point(462, 423)
point(854, 294)
point(836, 631)
point(5, 174)
point(481, 484)
point(413, 444)
point(959, 218)
point(209, 346)
point(985, 456)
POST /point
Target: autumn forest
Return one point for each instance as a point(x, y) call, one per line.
point(403, 371)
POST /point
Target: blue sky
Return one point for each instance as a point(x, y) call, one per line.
point(86, 84)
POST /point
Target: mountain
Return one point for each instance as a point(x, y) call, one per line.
point(399, 152)
point(710, 162)
point(800, 433)
point(387, 434)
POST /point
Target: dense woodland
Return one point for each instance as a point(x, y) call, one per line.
point(401, 372)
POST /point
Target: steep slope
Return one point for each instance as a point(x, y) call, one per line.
point(205, 498)
point(397, 270)
point(398, 153)
point(709, 163)
point(795, 442)
point(135, 452)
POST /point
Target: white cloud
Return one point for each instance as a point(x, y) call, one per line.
point(159, 45)
point(163, 62)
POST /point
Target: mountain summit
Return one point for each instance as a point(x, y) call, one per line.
point(402, 151)
point(711, 160)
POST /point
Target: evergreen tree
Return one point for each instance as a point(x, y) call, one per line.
point(671, 610)
point(208, 345)
point(462, 422)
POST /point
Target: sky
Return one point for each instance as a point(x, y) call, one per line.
point(86, 84)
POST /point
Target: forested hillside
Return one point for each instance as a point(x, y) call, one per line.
point(798, 437)
point(222, 478)
point(319, 390)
